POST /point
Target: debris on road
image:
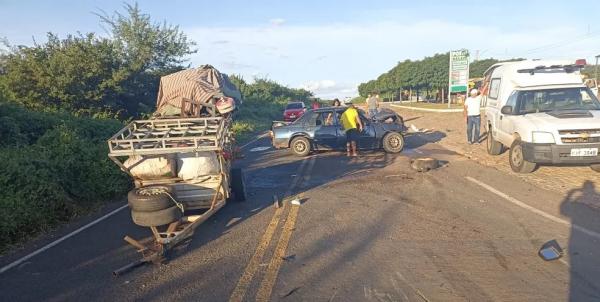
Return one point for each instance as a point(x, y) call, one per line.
point(289, 258)
point(551, 250)
point(276, 202)
point(296, 202)
point(295, 289)
point(424, 164)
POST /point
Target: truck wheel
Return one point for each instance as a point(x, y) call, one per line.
point(300, 146)
point(156, 218)
point(517, 160)
point(149, 199)
point(238, 185)
point(595, 167)
point(393, 142)
point(493, 147)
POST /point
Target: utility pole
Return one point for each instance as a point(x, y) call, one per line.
point(596, 69)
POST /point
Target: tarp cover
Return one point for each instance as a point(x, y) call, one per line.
point(199, 84)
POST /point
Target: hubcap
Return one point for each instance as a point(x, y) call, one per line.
point(394, 142)
point(517, 156)
point(300, 147)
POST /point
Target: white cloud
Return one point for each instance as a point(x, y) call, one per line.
point(277, 21)
point(330, 89)
point(352, 53)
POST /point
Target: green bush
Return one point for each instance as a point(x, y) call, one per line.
point(55, 167)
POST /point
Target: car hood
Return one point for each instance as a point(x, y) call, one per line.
point(571, 119)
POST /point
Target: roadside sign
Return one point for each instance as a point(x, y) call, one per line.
point(459, 71)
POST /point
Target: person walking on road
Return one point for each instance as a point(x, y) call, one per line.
point(372, 105)
point(353, 126)
point(472, 113)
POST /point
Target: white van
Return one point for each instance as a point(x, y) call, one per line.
point(543, 112)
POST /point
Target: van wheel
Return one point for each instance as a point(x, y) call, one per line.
point(393, 142)
point(300, 146)
point(517, 160)
point(595, 167)
point(493, 147)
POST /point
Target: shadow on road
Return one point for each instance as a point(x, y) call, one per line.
point(417, 140)
point(582, 205)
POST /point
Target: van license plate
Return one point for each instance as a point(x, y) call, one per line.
point(584, 152)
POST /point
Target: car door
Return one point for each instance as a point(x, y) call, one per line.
point(326, 130)
point(368, 137)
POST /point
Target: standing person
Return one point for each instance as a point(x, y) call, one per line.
point(472, 112)
point(353, 126)
point(372, 105)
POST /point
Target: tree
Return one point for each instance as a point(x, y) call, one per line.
point(89, 75)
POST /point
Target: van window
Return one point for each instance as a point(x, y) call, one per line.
point(494, 88)
point(512, 100)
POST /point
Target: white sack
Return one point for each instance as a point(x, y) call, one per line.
point(146, 168)
point(197, 164)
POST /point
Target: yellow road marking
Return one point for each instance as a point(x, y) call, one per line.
point(242, 286)
point(252, 267)
point(266, 286)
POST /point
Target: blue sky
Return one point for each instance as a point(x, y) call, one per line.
point(330, 47)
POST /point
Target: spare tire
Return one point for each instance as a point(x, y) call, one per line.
point(150, 199)
point(156, 218)
point(424, 164)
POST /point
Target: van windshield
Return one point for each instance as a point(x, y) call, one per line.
point(544, 100)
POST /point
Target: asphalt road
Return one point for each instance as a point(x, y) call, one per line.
point(367, 229)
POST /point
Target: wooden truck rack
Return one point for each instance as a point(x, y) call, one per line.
point(164, 137)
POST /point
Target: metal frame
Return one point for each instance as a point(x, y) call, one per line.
point(160, 137)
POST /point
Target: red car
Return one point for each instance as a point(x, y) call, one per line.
point(293, 111)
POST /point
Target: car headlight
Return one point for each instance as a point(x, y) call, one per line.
point(539, 137)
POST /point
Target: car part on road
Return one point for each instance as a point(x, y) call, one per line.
point(238, 187)
point(150, 199)
point(551, 250)
point(300, 146)
point(156, 218)
point(494, 147)
point(424, 164)
point(393, 142)
point(517, 159)
point(595, 167)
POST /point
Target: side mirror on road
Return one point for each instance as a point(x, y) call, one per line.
point(507, 110)
point(551, 250)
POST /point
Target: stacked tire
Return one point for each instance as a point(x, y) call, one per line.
point(153, 206)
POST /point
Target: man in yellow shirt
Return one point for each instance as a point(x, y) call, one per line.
point(353, 126)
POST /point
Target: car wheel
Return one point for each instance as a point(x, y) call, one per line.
point(393, 142)
point(150, 199)
point(517, 159)
point(156, 218)
point(595, 167)
point(300, 146)
point(493, 147)
point(238, 185)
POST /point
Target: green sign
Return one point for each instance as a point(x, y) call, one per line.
point(459, 71)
